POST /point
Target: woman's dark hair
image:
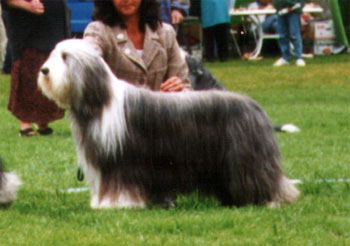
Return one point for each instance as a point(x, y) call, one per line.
point(105, 11)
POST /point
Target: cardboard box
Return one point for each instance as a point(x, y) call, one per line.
point(323, 49)
point(324, 30)
point(324, 37)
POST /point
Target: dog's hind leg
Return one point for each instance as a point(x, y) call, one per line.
point(250, 181)
point(287, 193)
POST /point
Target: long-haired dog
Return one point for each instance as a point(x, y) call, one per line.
point(136, 146)
point(9, 183)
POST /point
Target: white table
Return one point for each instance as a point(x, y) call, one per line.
point(252, 16)
point(270, 11)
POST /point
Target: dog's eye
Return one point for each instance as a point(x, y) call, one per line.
point(64, 56)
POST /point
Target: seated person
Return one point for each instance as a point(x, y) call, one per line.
point(269, 22)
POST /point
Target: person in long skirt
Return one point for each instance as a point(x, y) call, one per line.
point(34, 28)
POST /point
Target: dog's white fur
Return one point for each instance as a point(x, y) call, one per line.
point(101, 129)
point(8, 187)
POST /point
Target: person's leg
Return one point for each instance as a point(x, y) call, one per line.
point(222, 40)
point(295, 34)
point(208, 43)
point(26, 129)
point(283, 41)
point(270, 24)
point(25, 125)
point(283, 33)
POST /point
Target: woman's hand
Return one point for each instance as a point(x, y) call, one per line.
point(33, 6)
point(176, 16)
point(173, 84)
point(36, 7)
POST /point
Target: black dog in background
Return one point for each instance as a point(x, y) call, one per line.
point(202, 79)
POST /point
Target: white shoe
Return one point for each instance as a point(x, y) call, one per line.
point(300, 63)
point(281, 62)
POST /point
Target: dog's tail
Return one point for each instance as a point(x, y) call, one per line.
point(9, 183)
point(287, 193)
point(289, 128)
point(8, 187)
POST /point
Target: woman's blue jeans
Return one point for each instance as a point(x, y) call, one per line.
point(289, 30)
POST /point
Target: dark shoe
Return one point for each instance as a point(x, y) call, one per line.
point(45, 132)
point(27, 132)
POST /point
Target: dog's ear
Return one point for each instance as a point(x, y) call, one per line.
point(97, 83)
point(89, 80)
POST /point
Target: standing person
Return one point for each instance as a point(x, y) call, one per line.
point(34, 27)
point(172, 11)
point(289, 30)
point(137, 46)
point(215, 21)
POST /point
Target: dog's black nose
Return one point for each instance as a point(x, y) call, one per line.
point(45, 70)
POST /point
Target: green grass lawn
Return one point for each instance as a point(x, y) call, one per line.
point(315, 98)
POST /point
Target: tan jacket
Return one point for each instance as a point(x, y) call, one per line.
point(160, 60)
